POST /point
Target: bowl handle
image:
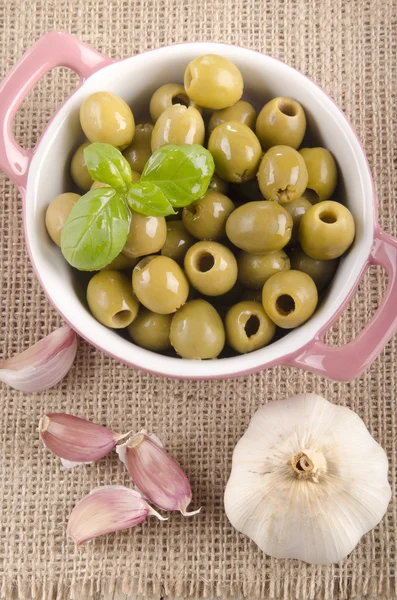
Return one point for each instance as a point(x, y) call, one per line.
point(55, 49)
point(348, 362)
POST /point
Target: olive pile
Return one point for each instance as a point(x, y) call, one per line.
point(248, 257)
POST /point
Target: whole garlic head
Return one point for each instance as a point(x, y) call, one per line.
point(307, 480)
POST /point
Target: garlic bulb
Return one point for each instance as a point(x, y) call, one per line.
point(307, 480)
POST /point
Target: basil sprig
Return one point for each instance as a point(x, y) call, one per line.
point(106, 164)
point(98, 224)
point(96, 230)
point(182, 173)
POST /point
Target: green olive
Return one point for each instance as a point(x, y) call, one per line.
point(213, 81)
point(289, 298)
point(281, 121)
point(177, 242)
point(147, 235)
point(167, 95)
point(241, 111)
point(111, 300)
point(248, 327)
point(57, 214)
point(297, 208)
point(139, 151)
point(217, 184)
point(178, 125)
point(282, 174)
point(321, 271)
point(255, 269)
point(121, 263)
point(197, 331)
point(259, 227)
point(211, 268)
point(78, 169)
point(206, 218)
point(160, 284)
point(106, 118)
point(151, 330)
point(322, 171)
point(327, 230)
point(236, 151)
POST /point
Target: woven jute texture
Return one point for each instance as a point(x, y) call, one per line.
point(349, 49)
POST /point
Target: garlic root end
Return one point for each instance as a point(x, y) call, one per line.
point(191, 513)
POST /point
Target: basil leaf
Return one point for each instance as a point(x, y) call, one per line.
point(106, 164)
point(147, 199)
point(182, 173)
point(96, 230)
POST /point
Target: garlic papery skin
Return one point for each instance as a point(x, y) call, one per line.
point(106, 510)
point(75, 440)
point(42, 365)
point(155, 473)
point(307, 480)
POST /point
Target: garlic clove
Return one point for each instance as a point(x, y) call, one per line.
point(106, 510)
point(307, 480)
point(156, 474)
point(42, 365)
point(75, 440)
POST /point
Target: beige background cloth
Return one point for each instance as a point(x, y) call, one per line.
point(348, 48)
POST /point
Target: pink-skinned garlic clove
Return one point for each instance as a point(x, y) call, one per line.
point(43, 365)
point(75, 440)
point(156, 474)
point(106, 510)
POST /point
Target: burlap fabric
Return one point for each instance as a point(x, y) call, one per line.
point(348, 48)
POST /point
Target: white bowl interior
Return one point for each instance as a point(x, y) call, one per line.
point(135, 79)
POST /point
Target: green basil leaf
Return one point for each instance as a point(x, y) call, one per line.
point(146, 198)
point(106, 164)
point(96, 230)
point(183, 173)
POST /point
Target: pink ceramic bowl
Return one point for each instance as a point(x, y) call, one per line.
point(41, 174)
